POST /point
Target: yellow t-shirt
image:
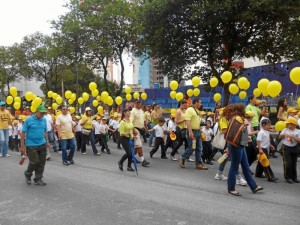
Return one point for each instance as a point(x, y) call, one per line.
point(223, 123)
point(182, 125)
point(5, 119)
point(147, 116)
point(193, 115)
point(65, 124)
point(88, 124)
point(137, 117)
point(124, 127)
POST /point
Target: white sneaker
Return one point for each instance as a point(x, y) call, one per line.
point(190, 160)
point(7, 155)
point(220, 177)
point(173, 158)
point(241, 181)
point(83, 153)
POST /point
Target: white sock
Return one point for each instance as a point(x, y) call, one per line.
point(142, 158)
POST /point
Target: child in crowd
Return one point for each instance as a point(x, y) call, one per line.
point(263, 144)
point(171, 129)
point(78, 133)
point(104, 135)
point(138, 148)
point(207, 148)
point(159, 130)
point(15, 135)
point(98, 130)
point(113, 125)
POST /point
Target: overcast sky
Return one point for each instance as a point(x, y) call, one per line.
point(19, 18)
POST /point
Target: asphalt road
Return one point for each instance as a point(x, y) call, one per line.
point(94, 191)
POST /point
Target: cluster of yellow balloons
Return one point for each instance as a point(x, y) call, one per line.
point(267, 88)
point(136, 95)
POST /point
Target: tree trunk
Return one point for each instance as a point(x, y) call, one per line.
point(118, 93)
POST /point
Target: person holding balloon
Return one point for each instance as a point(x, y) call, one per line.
point(5, 120)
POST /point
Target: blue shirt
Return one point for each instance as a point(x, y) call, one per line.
point(35, 131)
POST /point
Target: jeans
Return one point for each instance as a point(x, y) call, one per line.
point(126, 146)
point(71, 144)
point(51, 139)
point(152, 133)
point(238, 156)
point(4, 137)
point(189, 151)
point(91, 137)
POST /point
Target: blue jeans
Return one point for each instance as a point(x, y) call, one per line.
point(189, 151)
point(4, 137)
point(152, 133)
point(51, 139)
point(238, 156)
point(91, 137)
point(70, 143)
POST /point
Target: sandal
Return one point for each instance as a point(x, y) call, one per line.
point(258, 188)
point(234, 192)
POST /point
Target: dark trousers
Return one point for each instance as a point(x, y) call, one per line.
point(126, 146)
point(267, 170)
point(207, 150)
point(290, 162)
point(16, 143)
point(169, 144)
point(78, 136)
point(158, 141)
point(11, 144)
point(251, 152)
point(98, 139)
point(104, 142)
point(37, 161)
point(181, 137)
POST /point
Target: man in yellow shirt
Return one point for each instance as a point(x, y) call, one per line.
point(65, 131)
point(137, 117)
point(5, 121)
point(192, 117)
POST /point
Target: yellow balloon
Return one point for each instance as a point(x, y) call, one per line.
point(274, 88)
point(54, 95)
point(92, 86)
point(17, 105)
point(196, 81)
point(128, 90)
point(34, 104)
point(226, 77)
point(95, 103)
point(13, 91)
point(217, 97)
point(243, 83)
point(98, 98)
point(179, 96)
point(95, 92)
point(136, 95)
point(72, 109)
point(196, 91)
point(247, 85)
point(73, 97)
point(68, 94)
point(295, 75)
point(9, 99)
point(59, 100)
point(280, 125)
point(128, 97)
point(173, 94)
point(213, 82)
point(262, 84)
point(173, 111)
point(49, 94)
point(256, 92)
point(100, 109)
point(144, 96)
point(80, 100)
point(233, 89)
point(54, 105)
point(110, 101)
point(190, 92)
point(85, 96)
point(104, 95)
point(70, 101)
point(173, 85)
point(32, 109)
point(242, 94)
point(118, 100)
point(17, 99)
point(28, 96)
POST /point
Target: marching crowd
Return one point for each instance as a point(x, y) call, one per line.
point(241, 133)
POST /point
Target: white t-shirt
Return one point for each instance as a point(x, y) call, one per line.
point(15, 130)
point(264, 137)
point(159, 130)
point(49, 122)
point(104, 128)
point(208, 133)
point(20, 125)
point(97, 127)
point(10, 131)
point(171, 126)
point(78, 127)
point(286, 141)
point(114, 123)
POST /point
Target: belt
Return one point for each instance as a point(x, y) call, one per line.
point(195, 129)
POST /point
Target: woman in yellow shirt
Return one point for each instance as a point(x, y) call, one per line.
point(126, 133)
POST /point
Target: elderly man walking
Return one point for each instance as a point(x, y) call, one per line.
point(34, 130)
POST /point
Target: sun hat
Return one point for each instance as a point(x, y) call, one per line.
point(292, 110)
point(88, 109)
point(291, 120)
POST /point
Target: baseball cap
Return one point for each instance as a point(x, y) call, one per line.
point(88, 109)
point(292, 110)
point(291, 120)
point(41, 109)
point(2, 103)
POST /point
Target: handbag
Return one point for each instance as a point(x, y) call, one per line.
point(85, 131)
point(234, 131)
point(219, 141)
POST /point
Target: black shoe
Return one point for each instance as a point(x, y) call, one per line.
point(273, 179)
point(130, 169)
point(102, 150)
point(164, 157)
point(209, 162)
point(27, 178)
point(71, 161)
point(66, 163)
point(145, 163)
point(120, 166)
point(260, 176)
point(151, 155)
point(296, 180)
point(108, 151)
point(39, 183)
point(290, 181)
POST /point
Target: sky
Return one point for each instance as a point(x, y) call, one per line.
point(19, 18)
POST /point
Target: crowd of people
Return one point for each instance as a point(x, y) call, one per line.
point(239, 132)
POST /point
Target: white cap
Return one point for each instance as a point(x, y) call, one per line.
point(88, 109)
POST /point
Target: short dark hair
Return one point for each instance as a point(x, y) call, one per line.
point(250, 98)
point(161, 119)
point(265, 122)
point(195, 100)
point(183, 101)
